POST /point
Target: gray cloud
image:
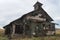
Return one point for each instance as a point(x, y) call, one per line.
point(13, 9)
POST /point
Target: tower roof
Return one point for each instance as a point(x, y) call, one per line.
point(38, 3)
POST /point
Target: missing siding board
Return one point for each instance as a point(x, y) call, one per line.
point(37, 18)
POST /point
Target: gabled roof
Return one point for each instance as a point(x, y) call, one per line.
point(38, 3)
point(21, 18)
point(48, 16)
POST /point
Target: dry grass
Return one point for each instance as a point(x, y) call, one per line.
point(57, 31)
point(57, 37)
point(40, 38)
point(2, 37)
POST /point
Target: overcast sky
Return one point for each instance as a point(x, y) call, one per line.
point(13, 9)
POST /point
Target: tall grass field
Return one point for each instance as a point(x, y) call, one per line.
point(56, 37)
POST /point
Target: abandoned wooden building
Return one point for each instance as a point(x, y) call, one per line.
point(34, 23)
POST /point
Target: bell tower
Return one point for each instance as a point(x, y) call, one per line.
point(37, 5)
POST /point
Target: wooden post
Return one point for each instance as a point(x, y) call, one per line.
point(24, 31)
point(13, 29)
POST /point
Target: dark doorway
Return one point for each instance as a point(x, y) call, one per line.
point(18, 29)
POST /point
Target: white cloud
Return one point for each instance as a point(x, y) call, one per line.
point(57, 18)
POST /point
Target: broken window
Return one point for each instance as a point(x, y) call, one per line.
point(18, 29)
point(27, 30)
point(7, 31)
